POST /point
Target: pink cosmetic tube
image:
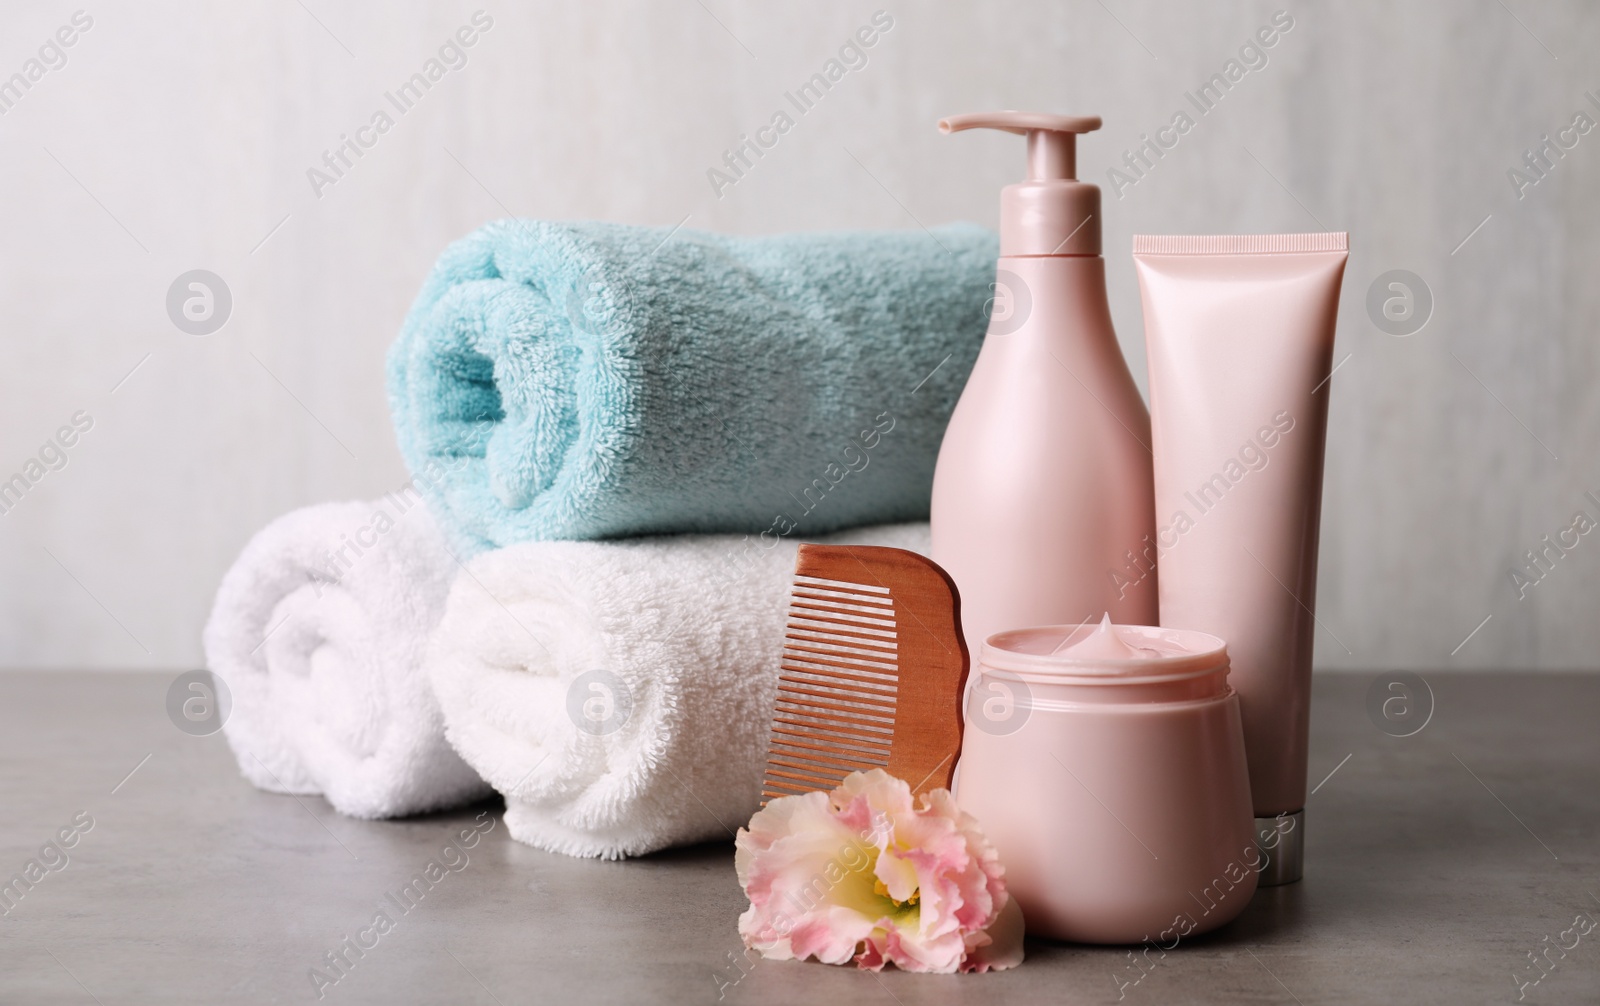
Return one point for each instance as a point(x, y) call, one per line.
point(1239, 338)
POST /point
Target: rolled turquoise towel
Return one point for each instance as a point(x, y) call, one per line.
point(593, 380)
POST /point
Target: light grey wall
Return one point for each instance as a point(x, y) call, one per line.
point(178, 136)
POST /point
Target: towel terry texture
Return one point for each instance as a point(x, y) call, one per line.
point(593, 380)
point(620, 694)
point(318, 631)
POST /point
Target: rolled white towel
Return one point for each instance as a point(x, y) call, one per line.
point(619, 694)
point(318, 631)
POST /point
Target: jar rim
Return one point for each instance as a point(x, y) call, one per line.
point(1030, 650)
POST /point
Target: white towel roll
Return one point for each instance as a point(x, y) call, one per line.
point(318, 631)
point(619, 694)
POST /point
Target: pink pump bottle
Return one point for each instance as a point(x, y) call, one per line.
point(1043, 503)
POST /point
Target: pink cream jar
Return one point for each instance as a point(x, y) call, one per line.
point(1107, 765)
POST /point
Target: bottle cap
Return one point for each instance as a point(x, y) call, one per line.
point(1282, 841)
point(1051, 213)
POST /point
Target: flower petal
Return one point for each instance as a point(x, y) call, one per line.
point(1000, 946)
point(898, 873)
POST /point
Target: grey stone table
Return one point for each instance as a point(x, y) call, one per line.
point(1435, 864)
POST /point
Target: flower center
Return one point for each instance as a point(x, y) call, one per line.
point(882, 890)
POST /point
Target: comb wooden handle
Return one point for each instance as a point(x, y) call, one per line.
point(873, 670)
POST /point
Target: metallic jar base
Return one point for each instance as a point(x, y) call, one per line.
point(1282, 841)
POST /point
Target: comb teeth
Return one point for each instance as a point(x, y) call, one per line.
point(838, 687)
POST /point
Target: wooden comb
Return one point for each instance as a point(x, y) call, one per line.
point(872, 674)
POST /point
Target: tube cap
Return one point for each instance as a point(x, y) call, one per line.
point(1282, 841)
point(1051, 213)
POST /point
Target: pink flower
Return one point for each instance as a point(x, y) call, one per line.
point(863, 873)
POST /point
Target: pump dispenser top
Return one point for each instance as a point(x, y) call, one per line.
point(1051, 213)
